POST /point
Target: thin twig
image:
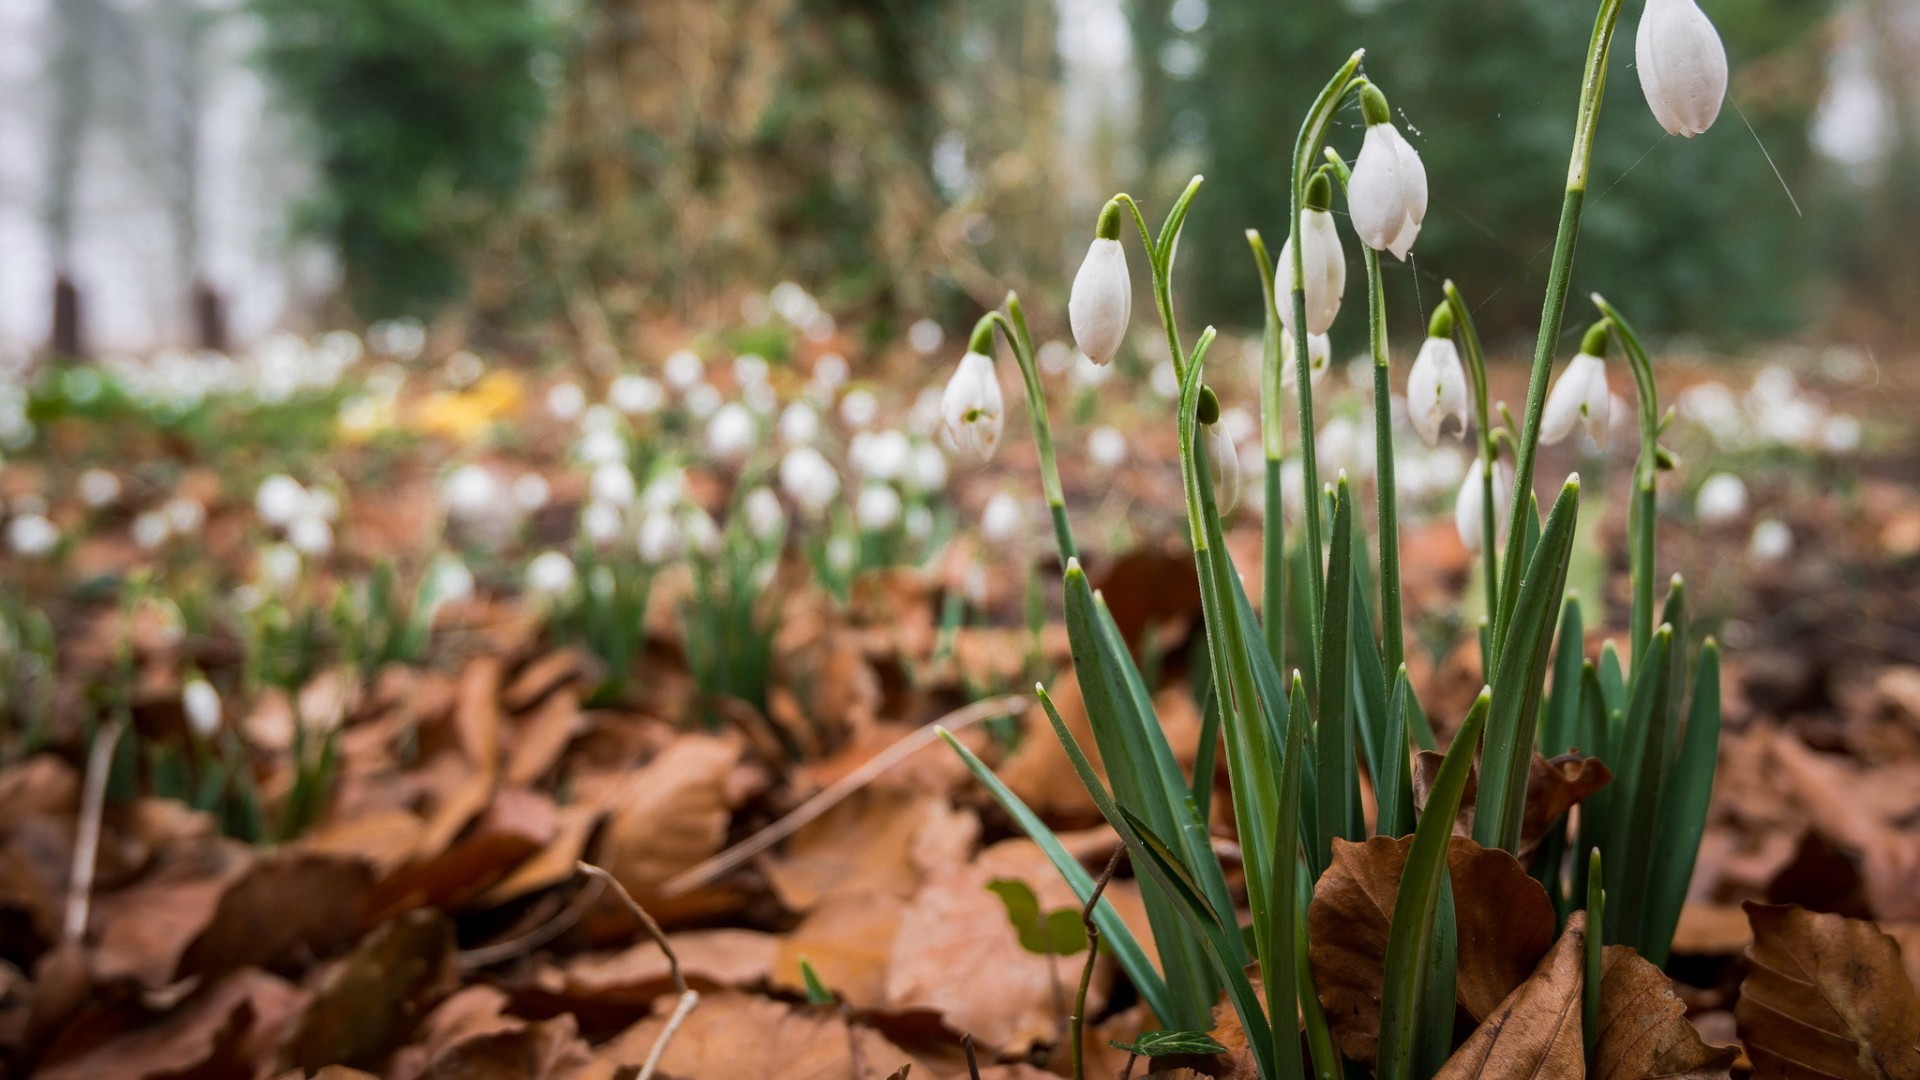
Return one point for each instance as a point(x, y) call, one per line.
point(86, 840)
point(489, 955)
point(688, 997)
point(973, 1065)
point(1093, 953)
point(739, 853)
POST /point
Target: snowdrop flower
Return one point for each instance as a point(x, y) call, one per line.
point(98, 488)
point(184, 515)
point(1388, 192)
point(809, 479)
point(600, 523)
point(658, 538)
point(550, 575)
point(927, 469)
point(310, 535)
point(703, 400)
point(201, 704)
point(1223, 466)
point(471, 493)
point(1841, 434)
point(879, 507)
point(880, 455)
point(1682, 65)
point(761, 397)
point(840, 554)
point(700, 532)
point(829, 372)
point(765, 518)
point(1722, 498)
point(1002, 519)
point(565, 401)
point(637, 395)
point(732, 432)
point(972, 407)
point(1467, 514)
point(1101, 302)
point(531, 491)
point(665, 491)
point(150, 529)
point(750, 368)
point(280, 499)
point(1581, 396)
point(32, 535)
point(683, 369)
point(799, 424)
point(280, 567)
point(1772, 541)
point(613, 484)
point(919, 523)
point(1319, 359)
point(1106, 447)
point(859, 407)
point(599, 447)
point(1323, 262)
point(1437, 385)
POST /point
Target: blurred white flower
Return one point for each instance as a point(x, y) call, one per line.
point(1468, 517)
point(200, 702)
point(799, 424)
point(668, 489)
point(463, 369)
point(1324, 266)
point(550, 575)
point(703, 400)
point(280, 567)
point(1437, 390)
point(919, 523)
point(878, 508)
point(1841, 434)
point(310, 535)
point(880, 455)
point(1106, 447)
point(565, 400)
point(732, 433)
point(858, 408)
point(829, 371)
point(766, 520)
point(658, 539)
point(840, 553)
point(683, 369)
point(1580, 397)
point(637, 395)
point(1002, 520)
point(1164, 380)
point(99, 488)
point(1223, 466)
point(1682, 66)
point(32, 535)
point(531, 491)
point(600, 523)
point(699, 531)
point(613, 484)
point(1101, 302)
point(280, 499)
point(927, 469)
point(472, 493)
point(750, 368)
point(973, 408)
point(1772, 541)
point(599, 447)
point(809, 479)
point(925, 335)
point(150, 529)
point(1722, 498)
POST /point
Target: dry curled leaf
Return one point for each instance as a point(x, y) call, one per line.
point(1554, 786)
point(742, 1037)
point(219, 1031)
point(1644, 1030)
point(1826, 997)
point(1503, 917)
point(363, 1004)
point(668, 816)
point(1535, 1033)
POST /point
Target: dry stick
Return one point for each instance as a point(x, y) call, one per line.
point(512, 948)
point(1093, 953)
point(688, 996)
point(738, 854)
point(86, 841)
point(973, 1066)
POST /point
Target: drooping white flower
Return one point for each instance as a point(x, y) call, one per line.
point(280, 566)
point(732, 433)
point(201, 704)
point(1722, 498)
point(809, 479)
point(972, 407)
point(879, 507)
point(98, 488)
point(880, 455)
point(565, 400)
point(613, 484)
point(1323, 269)
point(1002, 519)
point(184, 515)
point(1580, 397)
point(1106, 447)
point(1437, 390)
point(279, 499)
point(1223, 466)
point(1772, 541)
point(683, 369)
point(659, 538)
point(531, 491)
point(1468, 519)
point(150, 529)
point(799, 424)
point(1101, 303)
point(550, 575)
point(310, 535)
point(1319, 359)
point(1388, 192)
point(765, 517)
point(1682, 65)
point(472, 493)
point(600, 523)
point(927, 469)
point(637, 395)
point(702, 399)
point(32, 535)
point(700, 532)
point(859, 407)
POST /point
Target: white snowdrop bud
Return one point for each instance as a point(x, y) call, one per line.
point(809, 479)
point(550, 575)
point(1387, 194)
point(310, 535)
point(613, 484)
point(702, 400)
point(765, 518)
point(1003, 519)
point(531, 491)
point(565, 401)
point(1437, 385)
point(99, 488)
point(683, 369)
point(1223, 466)
point(637, 395)
point(1722, 498)
point(280, 566)
point(1682, 65)
point(658, 538)
point(700, 532)
point(471, 493)
point(1467, 515)
point(880, 455)
point(32, 535)
point(201, 704)
point(1319, 359)
point(1101, 303)
point(280, 499)
point(1106, 447)
point(732, 433)
point(150, 529)
point(1323, 263)
point(972, 406)
point(799, 424)
point(927, 469)
point(1772, 541)
point(859, 407)
point(1581, 396)
point(879, 507)
point(600, 523)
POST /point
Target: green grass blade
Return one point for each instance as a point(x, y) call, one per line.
point(1516, 683)
point(1393, 783)
point(1337, 791)
point(1683, 810)
point(1560, 726)
point(1634, 811)
point(1410, 932)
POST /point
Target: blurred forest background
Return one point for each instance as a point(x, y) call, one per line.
point(566, 174)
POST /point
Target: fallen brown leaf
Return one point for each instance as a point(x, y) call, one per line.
point(742, 1037)
point(1535, 1032)
point(364, 1003)
point(1504, 919)
point(668, 816)
point(288, 902)
point(1826, 997)
point(516, 824)
point(709, 959)
point(1644, 1031)
point(543, 737)
point(476, 716)
point(220, 1031)
point(875, 842)
point(849, 941)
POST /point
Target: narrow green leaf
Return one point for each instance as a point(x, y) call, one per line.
point(1336, 770)
point(1683, 810)
point(817, 992)
point(1410, 932)
point(1393, 782)
point(1634, 811)
point(1595, 956)
point(1165, 1043)
point(1125, 947)
point(1559, 728)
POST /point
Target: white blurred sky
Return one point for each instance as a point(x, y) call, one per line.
point(250, 174)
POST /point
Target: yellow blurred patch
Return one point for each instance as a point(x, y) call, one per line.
point(467, 415)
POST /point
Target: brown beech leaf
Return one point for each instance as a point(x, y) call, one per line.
point(363, 1004)
point(848, 940)
point(219, 1031)
point(1503, 917)
point(288, 901)
point(668, 816)
point(726, 958)
point(743, 1037)
point(1535, 1033)
point(877, 841)
point(1826, 996)
point(1644, 1030)
point(1554, 786)
point(517, 824)
point(476, 715)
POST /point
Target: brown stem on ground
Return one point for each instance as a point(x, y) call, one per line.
point(1079, 1023)
point(513, 948)
point(86, 839)
point(688, 997)
point(973, 1065)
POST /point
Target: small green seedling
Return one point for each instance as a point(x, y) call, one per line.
point(1056, 933)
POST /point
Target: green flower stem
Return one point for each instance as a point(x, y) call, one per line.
point(1306, 154)
point(1641, 517)
point(1014, 325)
point(1160, 260)
point(1593, 87)
point(1487, 451)
point(1273, 554)
point(1394, 647)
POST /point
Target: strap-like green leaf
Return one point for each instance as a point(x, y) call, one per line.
point(1683, 810)
point(1634, 814)
point(1559, 727)
point(1336, 770)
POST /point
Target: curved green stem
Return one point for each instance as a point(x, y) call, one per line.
point(1160, 260)
point(1014, 325)
point(1641, 517)
point(1273, 555)
point(1487, 452)
point(1593, 87)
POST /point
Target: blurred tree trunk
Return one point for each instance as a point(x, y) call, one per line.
point(76, 27)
